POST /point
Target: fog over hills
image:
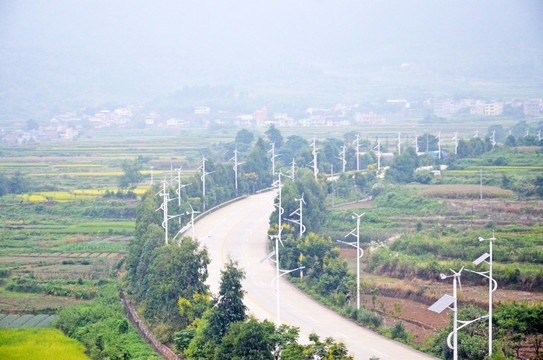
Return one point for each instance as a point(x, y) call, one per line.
point(59, 55)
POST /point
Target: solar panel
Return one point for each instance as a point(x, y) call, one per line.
point(442, 304)
point(481, 258)
point(267, 257)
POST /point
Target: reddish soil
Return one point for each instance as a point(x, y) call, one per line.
point(415, 296)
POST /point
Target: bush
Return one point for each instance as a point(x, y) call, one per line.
point(104, 330)
point(369, 318)
point(398, 331)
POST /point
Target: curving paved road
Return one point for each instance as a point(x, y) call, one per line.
point(239, 231)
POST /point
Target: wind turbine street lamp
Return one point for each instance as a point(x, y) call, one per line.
point(357, 152)
point(203, 177)
point(416, 143)
point(299, 212)
point(293, 169)
point(378, 153)
point(164, 207)
point(273, 156)
point(399, 144)
point(493, 138)
point(314, 162)
point(179, 186)
point(278, 273)
point(342, 157)
point(191, 225)
point(445, 302)
point(492, 284)
point(439, 145)
point(359, 254)
point(236, 164)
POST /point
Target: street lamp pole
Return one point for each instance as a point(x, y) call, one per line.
point(492, 284)
point(444, 303)
point(359, 254)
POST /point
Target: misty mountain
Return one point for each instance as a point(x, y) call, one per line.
point(60, 55)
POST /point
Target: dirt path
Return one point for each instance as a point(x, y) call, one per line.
point(135, 319)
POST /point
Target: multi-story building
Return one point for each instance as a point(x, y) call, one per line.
point(532, 107)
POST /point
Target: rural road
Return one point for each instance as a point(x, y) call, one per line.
point(239, 231)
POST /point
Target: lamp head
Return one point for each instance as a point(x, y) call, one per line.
point(442, 276)
point(481, 239)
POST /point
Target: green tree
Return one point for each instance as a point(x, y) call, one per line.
point(274, 135)
point(403, 167)
point(510, 141)
point(245, 341)
point(216, 322)
point(230, 307)
point(132, 175)
point(258, 163)
point(244, 136)
point(17, 184)
point(294, 147)
point(176, 271)
point(538, 184)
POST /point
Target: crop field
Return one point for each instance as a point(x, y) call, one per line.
point(39, 343)
point(461, 191)
point(10, 321)
point(63, 239)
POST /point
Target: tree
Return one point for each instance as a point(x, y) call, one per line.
point(258, 163)
point(132, 175)
point(245, 340)
point(230, 307)
point(274, 136)
point(403, 167)
point(294, 147)
point(216, 322)
point(244, 136)
point(510, 141)
point(17, 184)
point(176, 271)
point(538, 184)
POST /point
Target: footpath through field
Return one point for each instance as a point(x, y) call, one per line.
point(239, 231)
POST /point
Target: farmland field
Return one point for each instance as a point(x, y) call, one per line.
point(39, 343)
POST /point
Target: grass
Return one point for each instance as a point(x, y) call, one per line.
point(39, 343)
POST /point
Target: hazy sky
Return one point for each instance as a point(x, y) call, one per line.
point(167, 44)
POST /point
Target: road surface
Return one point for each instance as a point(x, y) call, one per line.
point(239, 231)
